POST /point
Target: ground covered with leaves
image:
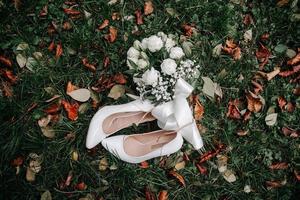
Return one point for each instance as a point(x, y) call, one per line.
point(246, 100)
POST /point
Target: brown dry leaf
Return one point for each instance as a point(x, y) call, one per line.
point(188, 29)
point(290, 72)
point(88, 65)
point(119, 78)
point(52, 109)
point(112, 35)
point(6, 89)
point(51, 46)
point(81, 186)
point(81, 95)
point(237, 53)
point(290, 132)
point(282, 165)
point(148, 7)
point(281, 3)
point(230, 44)
point(30, 175)
point(44, 121)
point(70, 11)
point(9, 76)
point(202, 169)
point(264, 36)
point(104, 24)
point(59, 51)
point(71, 87)
point(5, 61)
point(257, 87)
point(232, 49)
point(198, 110)
point(272, 74)
point(294, 60)
point(67, 26)
point(229, 176)
point(262, 55)
point(246, 116)
point(178, 177)
point(17, 4)
point(180, 165)
point(48, 132)
point(163, 195)
point(254, 102)
point(248, 19)
point(233, 111)
point(44, 11)
point(242, 132)
point(71, 109)
point(144, 165)
point(103, 164)
point(297, 175)
point(149, 194)
point(281, 102)
point(290, 107)
point(106, 61)
point(139, 17)
point(273, 184)
point(115, 16)
point(74, 155)
point(116, 92)
point(296, 91)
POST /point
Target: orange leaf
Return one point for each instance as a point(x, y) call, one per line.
point(139, 17)
point(248, 19)
point(104, 24)
point(290, 107)
point(281, 102)
point(201, 169)
point(233, 111)
point(230, 44)
point(81, 186)
point(246, 116)
point(71, 109)
point(236, 53)
point(210, 154)
point(88, 65)
point(52, 109)
point(294, 60)
point(112, 35)
point(149, 194)
point(144, 165)
point(178, 177)
point(290, 72)
point(163, 195)
point(106, 61)
point(148, 7)
point(262, 55)
point(120, 78)
point(232, 49)
point(70, 11)
point(273, 184)
point(254, 102)
point(9, 76)
point(67, 26)
point(282, 165)
point(51, 46)
point(290, 132)
point(198, 110)
point(281, 3)
point(5, 61)
point(71, 87)
point(188, 29)
point(59, 51)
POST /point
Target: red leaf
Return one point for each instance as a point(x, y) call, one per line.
point(59, 51)
point(282, 165)
point(52, 109)
point(294, 60)
point(210, 154)
point(5, 61)
point(201, 169)
point(281, 102)
point(139, 17)
point(106, 61)
point(112, 35)
point(17, 161)
point(246, 116)
point(51, 46)
point(86, 63)
point(120, 78)
point(262, 55)
point(104, 24)
point(70, 11)
point(71, 109)
point(81, 186)
point(188, 30)
point(149, 194)
point(273, 184)
point(248, 19)
point(265, 36)
point(163, 195)
point(9, 76)
point(290, 72)
point(290, 132)
point(233, 112)
point(178, 177)
point(232, 49)
point(144, 165)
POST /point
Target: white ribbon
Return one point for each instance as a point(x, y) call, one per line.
point(175, 114)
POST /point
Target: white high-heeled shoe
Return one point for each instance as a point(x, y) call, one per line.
point(111, 119)
point(140, 147)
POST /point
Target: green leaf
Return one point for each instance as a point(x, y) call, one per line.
point(280, 48)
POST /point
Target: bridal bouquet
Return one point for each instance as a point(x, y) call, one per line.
point(157, 62)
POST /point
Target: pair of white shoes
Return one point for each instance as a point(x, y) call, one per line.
point(140, 147)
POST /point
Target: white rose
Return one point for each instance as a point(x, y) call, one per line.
point(168, 66)
point(176, 53)
point(150, 76)
point(162, 35)
point(132, 60)
point(133, 53)
point(144, 44)
point(169, 44)
point(137, 45)
point(154, 43)
point(141, 63)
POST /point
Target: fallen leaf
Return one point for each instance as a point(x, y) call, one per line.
point(83, 108)
point(67, 26)
point(52, 109)
point(297, 175)
point(5, 61)
point(163, 195)
point(51, 46)
point(248, 19)
point(103, 164)
point(149, 194)
point(188, 30)
point(119, 78)
point(198, 110)
point(222, 163)
point(257, 87)
point(282, 165)
point(46, 195)
point(217, 50)
point(6, 89)
point(290, 107)
point(106, 61)
point(17, 161)
point(22, 46)
point(74, 155)
point(242, 132)
point(9, 76)
point(248, 35)
point(144, 165)
point(59, 51)
point(70, 11)
point(202, 169)
point(255, 103)
point(115, 16)
point(178, 177)
point(262, 55)
point(290, 72)
point(246, 115)
point(71, 109)
point(139, 17)
point(233, 111)
point(290, 53)
point(148, 7)
point(30, 175)
point(180, 165)
point(116, 91)
point(44, 121)
point(290, 132)
point(71, 87)
point(265, 36)
point(112, 35)
point(273, 184)
point(86, 63)
point(104, 24)
point(296, 91)
point(281, 102)
point(281, 3)
point(229, 176)
point(44, 11)
point(81, 186)
point(294, 60)
point(48, 132)
point(81, 95)
point(210, 154)
point(271, 119)
point(112, 2)
point(247, 189)
point(231, 48)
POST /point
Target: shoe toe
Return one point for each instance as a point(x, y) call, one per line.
point(114, 145)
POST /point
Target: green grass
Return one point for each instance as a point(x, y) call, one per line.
point(216, 20)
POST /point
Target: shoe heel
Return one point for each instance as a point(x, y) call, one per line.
point(191, 134)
